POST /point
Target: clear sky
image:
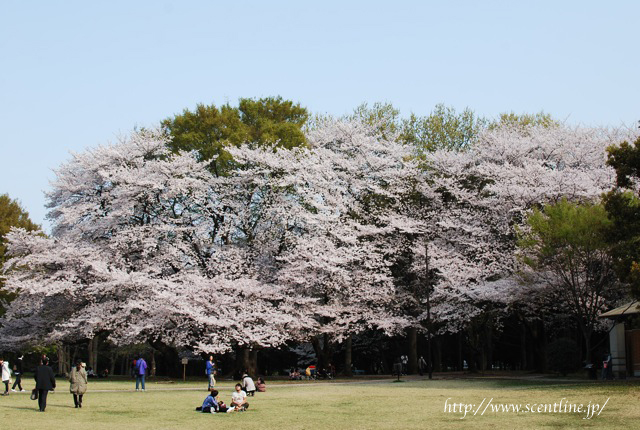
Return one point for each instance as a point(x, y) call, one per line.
point(75, 74)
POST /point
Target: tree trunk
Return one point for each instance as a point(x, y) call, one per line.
point(239, 362)
point(413, 350)
point(323, 349)
point(63, 359)
point(531, 356)
point(93, 353)
point(460, 363)
point(90, 354)
point(489, 347)
point(170, 359)
point(473, 350)
point(153, 363)
point(437, 354)
point(74, 355)
point(124, 365)
point(540, 346)
point(248, 361)
point(587, 345)
point(114, 358)
point(523, 346)
point(347, 356)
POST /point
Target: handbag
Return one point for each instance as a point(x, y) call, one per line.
point(34, 394)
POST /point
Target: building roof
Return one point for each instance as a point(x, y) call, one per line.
point(628, 309)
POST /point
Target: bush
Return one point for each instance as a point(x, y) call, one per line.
point(563, 356)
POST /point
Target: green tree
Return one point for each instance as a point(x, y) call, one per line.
point(11, 215)
point(524, 120)
point(566, 244)
point(443, 128)
point(274, 121)
point(623, 206)
point(383, 116)
point(209, 129)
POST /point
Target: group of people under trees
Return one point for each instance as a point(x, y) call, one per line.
point(45, 380)
point(78, 380)
point(213, 404)
point(248, 387)
point(312, 372)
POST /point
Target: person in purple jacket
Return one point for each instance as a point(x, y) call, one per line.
point(141, 371)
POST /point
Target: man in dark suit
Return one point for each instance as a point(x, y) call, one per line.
point(17, 370)
point(45, 382)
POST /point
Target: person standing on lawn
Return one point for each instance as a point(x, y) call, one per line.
point(422, 365)
point(78, 381)
point(45, 382)
point(6, 375)
point(141, 371)
point(17, 371)
point(211, 372)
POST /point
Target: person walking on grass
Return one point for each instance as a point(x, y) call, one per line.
point(422, 365)
point(211, 372)
point(78, 383)
point(17, 371)
point(6, 375)
point(45, 382)
point(141, 371)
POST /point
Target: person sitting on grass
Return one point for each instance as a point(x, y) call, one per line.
point(239, 399)
point(212, 403)
point(261, 386)
point(248, 385)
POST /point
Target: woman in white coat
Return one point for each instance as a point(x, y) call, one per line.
point(6, 375)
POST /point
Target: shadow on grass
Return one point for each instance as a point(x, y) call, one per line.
point(25, 408)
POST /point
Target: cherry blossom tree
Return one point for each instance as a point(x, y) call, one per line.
point(506, 173)
point(142, 251)
point(314, 243)
point(340, 198)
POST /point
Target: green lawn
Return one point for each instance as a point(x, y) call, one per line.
point(314, 405)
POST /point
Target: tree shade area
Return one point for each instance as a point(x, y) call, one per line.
point(276, 239)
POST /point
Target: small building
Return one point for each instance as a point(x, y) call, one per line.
point(624, 339)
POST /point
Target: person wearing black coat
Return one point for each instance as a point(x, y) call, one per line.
point(45, 382)
point(17, 371)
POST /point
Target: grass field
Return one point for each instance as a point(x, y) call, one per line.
point(416, 404)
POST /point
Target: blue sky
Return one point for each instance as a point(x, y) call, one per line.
point(76, 74)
